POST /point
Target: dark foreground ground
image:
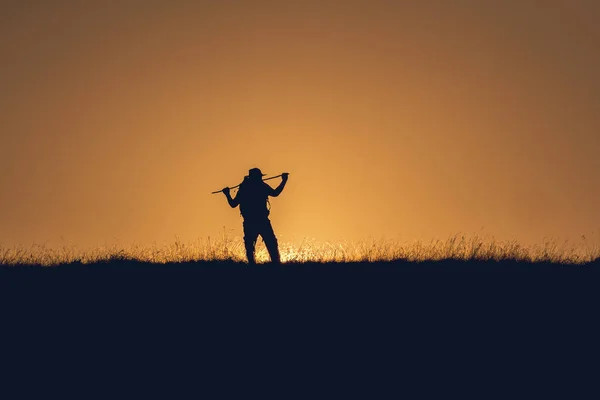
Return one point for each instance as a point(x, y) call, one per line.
point(195, 285)
point(235, 278)
point(297, 329)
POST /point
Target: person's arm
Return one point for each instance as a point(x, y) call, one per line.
point(233, 203)
point(277, 191)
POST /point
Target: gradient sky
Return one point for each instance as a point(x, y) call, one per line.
point(403, 119)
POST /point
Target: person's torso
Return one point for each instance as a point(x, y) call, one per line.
point(253, 198)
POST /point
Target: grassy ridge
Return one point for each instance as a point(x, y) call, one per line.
point(132, 265)
point(231, 251)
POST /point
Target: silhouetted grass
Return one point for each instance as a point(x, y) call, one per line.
point(308, 253)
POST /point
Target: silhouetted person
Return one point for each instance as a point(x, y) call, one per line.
point(252, 197)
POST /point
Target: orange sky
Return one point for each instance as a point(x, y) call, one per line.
point(410, 120)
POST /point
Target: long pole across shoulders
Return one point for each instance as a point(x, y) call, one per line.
point(236, 186)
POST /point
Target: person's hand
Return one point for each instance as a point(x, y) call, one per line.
point(226, 191)
point(284, 176)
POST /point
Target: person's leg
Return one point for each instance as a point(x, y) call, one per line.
point(250, 236)
point(270, 241)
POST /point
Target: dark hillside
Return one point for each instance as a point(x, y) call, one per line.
point(297, 319)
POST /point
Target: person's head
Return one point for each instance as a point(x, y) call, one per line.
point(255, 174)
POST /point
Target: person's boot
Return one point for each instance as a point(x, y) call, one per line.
point(273, 250)
point(275, 258)
point(250, 256)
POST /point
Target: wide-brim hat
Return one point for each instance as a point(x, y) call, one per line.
point(255, 172)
